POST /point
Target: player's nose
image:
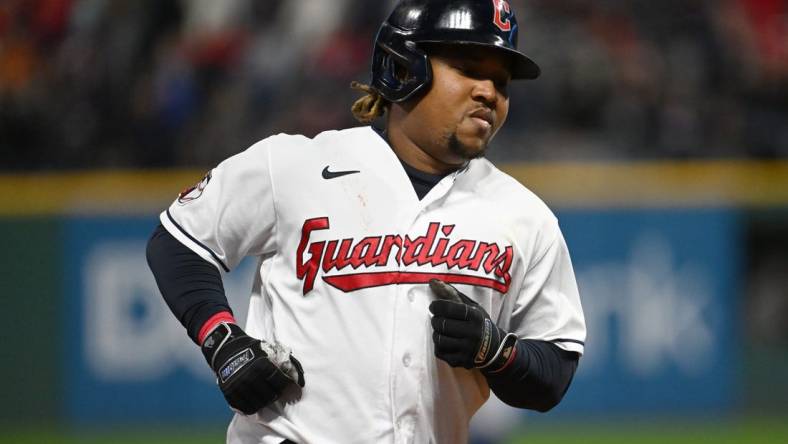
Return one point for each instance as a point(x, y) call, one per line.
point(484, 91)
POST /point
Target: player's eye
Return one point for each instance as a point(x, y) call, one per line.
point(471, 71)
point(461, 68)
point(502, 84)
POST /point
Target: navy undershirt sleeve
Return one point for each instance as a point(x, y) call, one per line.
point(191, 286)
point(538, 377)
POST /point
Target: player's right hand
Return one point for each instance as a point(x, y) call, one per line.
point(463, 333)
point(251, 373)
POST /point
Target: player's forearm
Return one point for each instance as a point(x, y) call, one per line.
point(191, 286)
point(537, 377)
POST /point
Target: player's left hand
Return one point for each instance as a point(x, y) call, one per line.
point(463, 332)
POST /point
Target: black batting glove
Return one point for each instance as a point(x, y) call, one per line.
point(251, 373)
point(463, 333)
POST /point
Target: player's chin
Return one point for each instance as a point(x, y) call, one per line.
point(468, 147)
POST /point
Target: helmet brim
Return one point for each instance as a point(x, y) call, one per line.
point(523, 68)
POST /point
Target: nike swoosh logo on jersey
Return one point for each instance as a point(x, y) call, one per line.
point(334, 174)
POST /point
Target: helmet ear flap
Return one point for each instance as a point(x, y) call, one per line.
point(393, 53)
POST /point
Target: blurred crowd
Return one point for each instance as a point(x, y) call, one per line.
point(150, 83)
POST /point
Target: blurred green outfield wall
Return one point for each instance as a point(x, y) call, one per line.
point(30, 291)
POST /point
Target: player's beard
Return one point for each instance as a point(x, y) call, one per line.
point(464, 151)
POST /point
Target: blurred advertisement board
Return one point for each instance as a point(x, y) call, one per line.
point(658, 289)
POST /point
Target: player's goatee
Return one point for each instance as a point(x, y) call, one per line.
point(464, 151)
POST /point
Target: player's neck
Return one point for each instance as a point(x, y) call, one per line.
point(414, 155)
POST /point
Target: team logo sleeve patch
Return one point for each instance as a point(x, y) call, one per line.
point(193, 192)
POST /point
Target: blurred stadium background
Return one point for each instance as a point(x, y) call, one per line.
point(658, 132)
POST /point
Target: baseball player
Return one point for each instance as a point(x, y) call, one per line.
point(401, 276)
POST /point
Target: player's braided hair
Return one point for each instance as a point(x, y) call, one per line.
point(369, 107)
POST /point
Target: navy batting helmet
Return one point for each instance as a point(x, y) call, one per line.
point(486, 23)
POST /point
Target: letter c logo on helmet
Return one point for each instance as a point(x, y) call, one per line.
point(400, 42)
point(501, 8)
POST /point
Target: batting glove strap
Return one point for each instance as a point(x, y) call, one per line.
point(503, 356)
point(216, 339)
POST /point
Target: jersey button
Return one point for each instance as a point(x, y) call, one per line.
point(411, 294)
point(406, 360)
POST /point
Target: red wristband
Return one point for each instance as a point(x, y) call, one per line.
point(212, 322)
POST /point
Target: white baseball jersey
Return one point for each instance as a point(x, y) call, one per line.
point(345, 251)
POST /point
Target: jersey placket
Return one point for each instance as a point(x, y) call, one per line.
point(412, 336)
